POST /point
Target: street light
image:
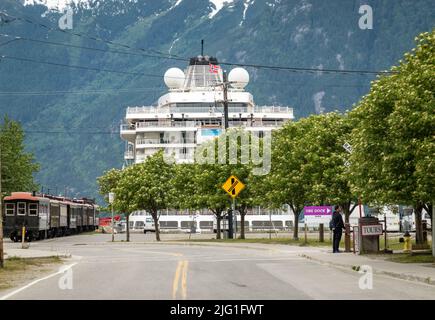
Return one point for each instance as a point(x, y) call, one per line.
point(111, 199)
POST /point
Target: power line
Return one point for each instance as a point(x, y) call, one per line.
point(176, 57)
point(130, 73)
point(103, 91)
point(81, 67)
point(72, 132)
point(82, 35)
point(17, 38)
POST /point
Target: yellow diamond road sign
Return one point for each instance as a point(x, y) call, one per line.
point(233, 186)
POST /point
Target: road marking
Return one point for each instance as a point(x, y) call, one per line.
point(184, 280)
point(61, 270)
point(181, 270)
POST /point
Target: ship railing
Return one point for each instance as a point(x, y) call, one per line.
point(232, 124)
point(168, 124)
point(144, 109)
point(212, 109)
point(164, 141)
point(125, 127)
point(273, 109)
point(267, 123)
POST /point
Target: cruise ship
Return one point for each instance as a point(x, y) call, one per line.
point(192, 112)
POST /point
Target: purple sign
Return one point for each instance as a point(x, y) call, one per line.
point(318, 211)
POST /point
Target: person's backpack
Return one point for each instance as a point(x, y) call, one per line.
point(331, 224)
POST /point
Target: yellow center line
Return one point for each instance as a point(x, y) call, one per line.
point(181, 270)
point(184, 280)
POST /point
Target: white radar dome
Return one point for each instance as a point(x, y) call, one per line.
point(174, 78)
point(239, 78)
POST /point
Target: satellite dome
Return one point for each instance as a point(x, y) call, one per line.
point(239, 78)
point(174, 78)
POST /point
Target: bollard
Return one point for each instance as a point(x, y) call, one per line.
point(305, 234)
point(407, 247)
point(321, 233)
point(347, 237)
point(23, 236)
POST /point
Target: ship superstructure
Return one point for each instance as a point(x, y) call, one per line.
point(192, 112)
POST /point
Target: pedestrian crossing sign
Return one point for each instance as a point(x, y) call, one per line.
point(233, 186)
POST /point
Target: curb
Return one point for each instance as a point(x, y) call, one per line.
point(425, 280)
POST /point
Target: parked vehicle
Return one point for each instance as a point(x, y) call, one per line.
point(149, 225)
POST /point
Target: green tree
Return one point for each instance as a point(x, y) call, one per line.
point(308, 166)
point(126, 191)
point(108, 182)
point(17, 165)
point(394, 134)
point(287, 182)
point(217, 160)
point(146, 186)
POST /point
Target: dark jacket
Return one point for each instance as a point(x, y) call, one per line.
point(337, 221)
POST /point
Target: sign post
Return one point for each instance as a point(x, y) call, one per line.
point(111, 200)
point(233, 186)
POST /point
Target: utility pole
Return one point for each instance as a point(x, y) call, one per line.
point(225, 85)
point(1, 217)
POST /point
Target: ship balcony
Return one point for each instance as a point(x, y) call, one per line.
point(128, 132)
point(153, 126)
point(257, 125)
point(165, 143)
point(129, 155)
point(274, 112)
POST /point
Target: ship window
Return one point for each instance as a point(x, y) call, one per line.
point(21, 210)
point(10, 209)
point(33, 209)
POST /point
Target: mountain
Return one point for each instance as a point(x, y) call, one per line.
point(72, 115)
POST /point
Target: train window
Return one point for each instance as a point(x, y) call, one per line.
point(33, 209)
point(10, 209)
point(21, 209)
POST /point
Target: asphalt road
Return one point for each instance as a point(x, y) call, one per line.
point(100, 269)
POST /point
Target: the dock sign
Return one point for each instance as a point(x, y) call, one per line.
point(317, 214)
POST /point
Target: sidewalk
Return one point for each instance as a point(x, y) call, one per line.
point(14, 250)
point(422, 272)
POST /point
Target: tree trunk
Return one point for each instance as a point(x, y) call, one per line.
point(242, 222)
point(128, 227)
point(418, 224)
point(156, 225)
point(296, 226)
point(346, 210)
point(218, 226)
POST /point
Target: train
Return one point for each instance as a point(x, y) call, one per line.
point(45, 216)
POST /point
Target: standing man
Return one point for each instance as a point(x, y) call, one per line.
point(337, 228)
